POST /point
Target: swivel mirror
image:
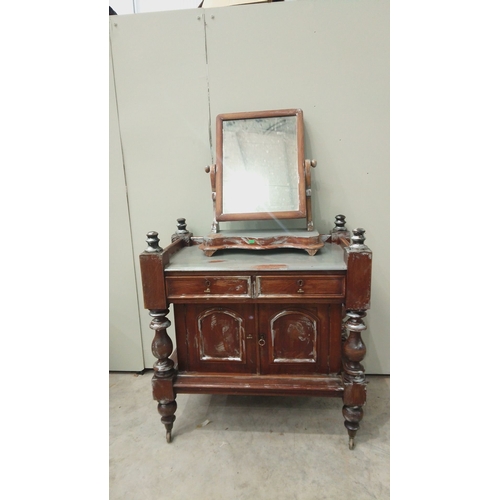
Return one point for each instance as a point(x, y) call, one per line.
point(260, 173)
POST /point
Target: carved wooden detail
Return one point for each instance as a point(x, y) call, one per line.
point(167, 410)
point(353, 350)
point(339, 223)
point(310, 241)
point(153, 243)
point(340, 234)
point(294, 337)
point(164, 370)
point(221, 336)
point(352, 417)
point(182, 232)
point(218, 339)
point(358, 239)
point(162, 346)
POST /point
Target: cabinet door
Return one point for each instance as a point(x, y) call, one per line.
point(293, 340)
point(218, 338)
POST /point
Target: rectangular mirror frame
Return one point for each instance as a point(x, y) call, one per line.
point(293, 214)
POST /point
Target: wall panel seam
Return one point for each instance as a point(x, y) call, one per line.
point(127, 198)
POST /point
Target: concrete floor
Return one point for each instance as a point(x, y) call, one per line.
point(253, 447)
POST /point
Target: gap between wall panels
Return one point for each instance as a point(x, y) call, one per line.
point(137, 285)
point(208, 91)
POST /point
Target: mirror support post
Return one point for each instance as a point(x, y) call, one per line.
point(307, 171)
point(211, 170)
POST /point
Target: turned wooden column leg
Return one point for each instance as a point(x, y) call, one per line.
point(352, 417)
point(164, 371)
point(353, 350)
point(167, 410)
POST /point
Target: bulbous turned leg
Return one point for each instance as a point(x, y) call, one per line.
point(352, 416)
point(164, 371)
point(167, 410)
point(353, 352)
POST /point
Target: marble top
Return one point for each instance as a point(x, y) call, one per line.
point(328, 258)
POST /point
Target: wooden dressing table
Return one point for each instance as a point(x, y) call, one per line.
point(276, 321)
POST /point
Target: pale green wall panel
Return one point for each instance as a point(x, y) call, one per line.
point(125, 342)
point(161, 85)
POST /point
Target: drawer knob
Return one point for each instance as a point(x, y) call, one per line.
point(301, 284)
point(207, 284)
point(262, 341)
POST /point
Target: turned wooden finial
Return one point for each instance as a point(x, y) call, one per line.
point(181, 226)
point(153, 243)
point(340, 223)
point(340, 231)
point(182, 232)
point(358, 237)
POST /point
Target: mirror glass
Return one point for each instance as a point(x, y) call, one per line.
point(261, 160)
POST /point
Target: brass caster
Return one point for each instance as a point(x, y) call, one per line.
point(351, 443)
point(169, 436)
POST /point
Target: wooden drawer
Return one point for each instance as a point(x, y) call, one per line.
point(300, 286)
point(195, 287)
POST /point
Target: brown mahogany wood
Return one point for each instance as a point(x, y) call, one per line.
point(293, 339)
point(219, 241)
point(211, 169)
point(164, 370)
point(259, 385)
point(344, 241)
point(153, 262)
point(261, 332)
point(307, 170)
point(359, 264)
point(256, 286)
point(220, 338)
point(213, 285)
point(353, 352)
point(306, 285)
